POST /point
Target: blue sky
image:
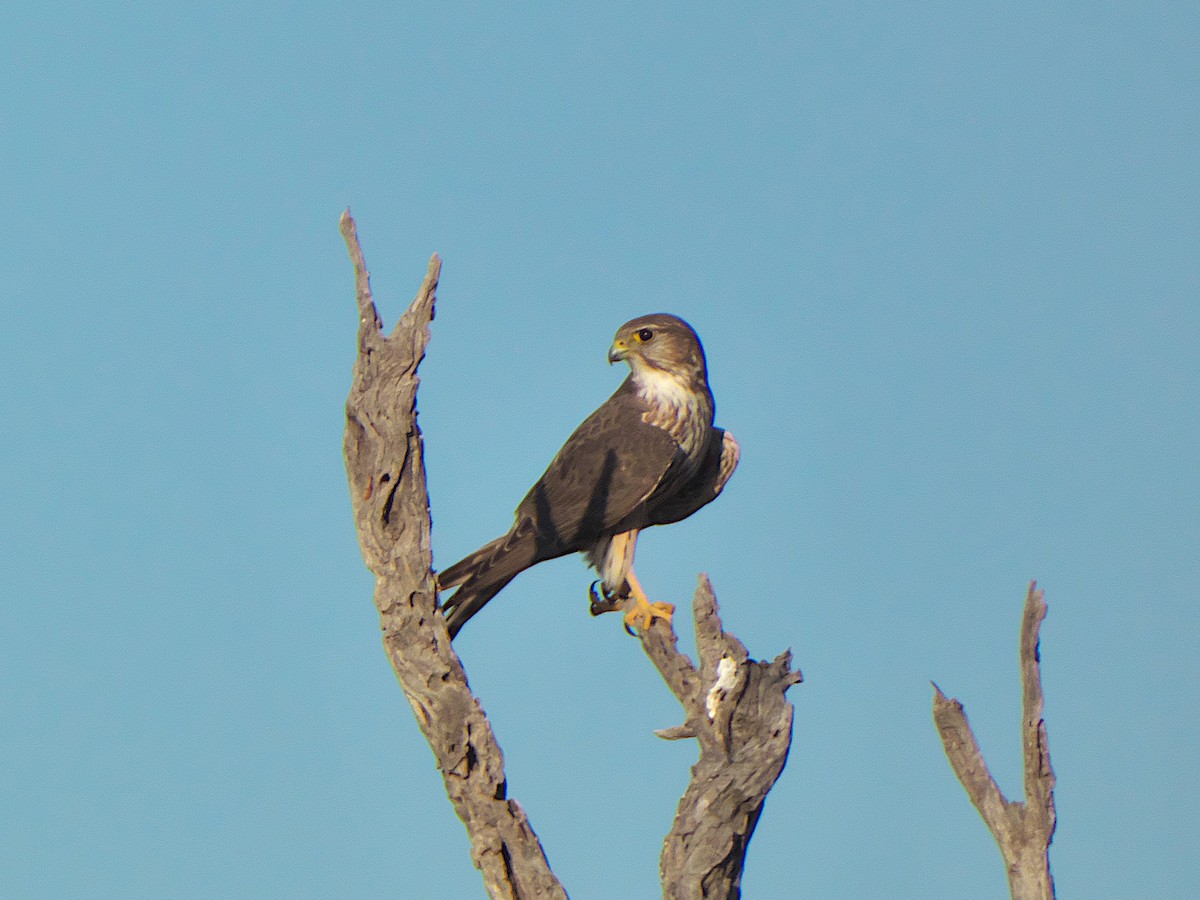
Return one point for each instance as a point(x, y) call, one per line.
point(944, 261)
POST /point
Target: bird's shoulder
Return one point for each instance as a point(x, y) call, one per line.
point(614, 460)
point(619, 424)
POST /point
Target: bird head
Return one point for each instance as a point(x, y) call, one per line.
point(659, 342)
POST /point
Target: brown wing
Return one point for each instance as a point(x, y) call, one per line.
point(601, 477)
point(716, 466)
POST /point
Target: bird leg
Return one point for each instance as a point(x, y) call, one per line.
point(606, 601)
point(643, 612)
point(615, 563)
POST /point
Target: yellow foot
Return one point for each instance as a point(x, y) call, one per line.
point(643, 612)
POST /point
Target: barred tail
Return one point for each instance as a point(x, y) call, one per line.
point(465, 568)
point(483, 574)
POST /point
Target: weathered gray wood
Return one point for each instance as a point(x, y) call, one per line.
point(1022, 831)
point(386, 471)
point(737, 710)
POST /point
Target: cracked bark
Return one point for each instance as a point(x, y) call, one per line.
point(386, 471)
point(1022, 831)
point(735, 706)
point(737, 711)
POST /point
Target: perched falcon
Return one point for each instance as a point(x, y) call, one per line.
point(649, 456)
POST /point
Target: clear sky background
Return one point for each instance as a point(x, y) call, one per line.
point(944, 259)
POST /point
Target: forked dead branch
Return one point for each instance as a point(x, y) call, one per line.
point(1022, 831)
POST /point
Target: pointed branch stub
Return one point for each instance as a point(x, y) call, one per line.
point(1022, 831)
point(737, 710)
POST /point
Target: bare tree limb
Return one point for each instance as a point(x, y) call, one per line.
point(1022, 831)
point(736, 709)
point(386, 470)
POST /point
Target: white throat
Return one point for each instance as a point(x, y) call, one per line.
point(676, 407)
point(663, 389)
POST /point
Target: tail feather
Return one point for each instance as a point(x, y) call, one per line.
point(470, 599)
point(483, 574)
point(465, 568)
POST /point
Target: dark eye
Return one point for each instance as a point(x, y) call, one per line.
point(645, 334)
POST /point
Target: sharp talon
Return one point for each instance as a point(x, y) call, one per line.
point(601, 606)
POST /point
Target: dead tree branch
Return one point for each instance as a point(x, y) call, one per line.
point(1023, 831)
point(737, 710)
point(386, 470)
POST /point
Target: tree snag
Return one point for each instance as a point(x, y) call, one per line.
point(736, 709)
point(735, 706)
point(1023, 831)
point(386, 470)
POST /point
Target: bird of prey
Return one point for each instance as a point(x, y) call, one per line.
point(648, 456)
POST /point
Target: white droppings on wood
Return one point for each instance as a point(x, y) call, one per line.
point(726, 673)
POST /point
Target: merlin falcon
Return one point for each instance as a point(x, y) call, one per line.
point(649, 455)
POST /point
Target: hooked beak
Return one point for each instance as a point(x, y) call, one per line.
point(618, 351)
